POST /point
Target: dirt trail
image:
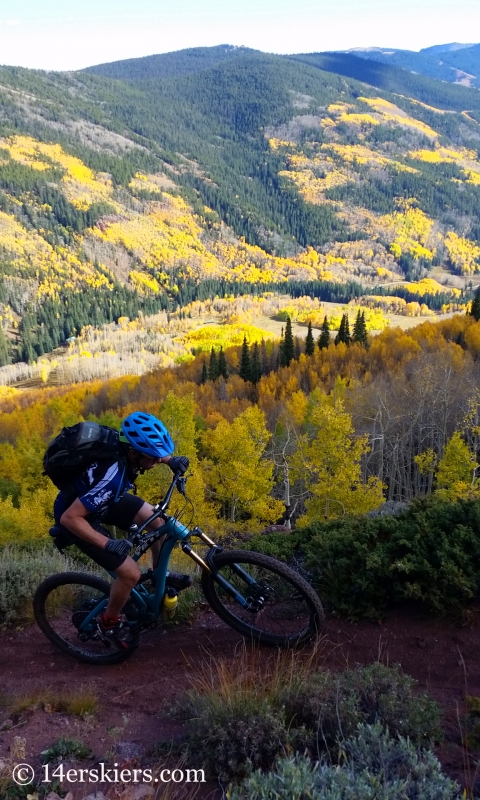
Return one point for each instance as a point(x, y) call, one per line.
point(132, 696)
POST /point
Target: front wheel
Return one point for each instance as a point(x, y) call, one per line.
point(62, 605)
point(274, 606)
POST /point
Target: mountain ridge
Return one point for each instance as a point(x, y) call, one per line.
point(453, 63)
point(441, 62)
point(119, 196)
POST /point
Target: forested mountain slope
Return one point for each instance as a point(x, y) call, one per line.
point(166, 65)
point(221, 167)
point(455, 63)
point(394, 78)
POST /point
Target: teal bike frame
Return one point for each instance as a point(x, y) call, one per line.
point(149, 604)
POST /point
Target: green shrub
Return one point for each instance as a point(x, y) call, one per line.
point(284, 546)
point(243, 719)
point(329, 708)
point(229, 742)
point(430, 554)
point(376, 767)
point(65, 749)
point(22, 569)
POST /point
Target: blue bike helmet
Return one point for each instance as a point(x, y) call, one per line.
point(146, 434)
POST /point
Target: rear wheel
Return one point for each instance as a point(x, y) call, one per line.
point(281, 609)
point(62, 604)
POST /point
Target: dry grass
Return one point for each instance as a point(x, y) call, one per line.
point(80, 701)
point(252, 678)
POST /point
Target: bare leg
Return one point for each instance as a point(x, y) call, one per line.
point(128, 573)
point(127, 576)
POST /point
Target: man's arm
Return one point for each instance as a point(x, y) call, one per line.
point(74, 520)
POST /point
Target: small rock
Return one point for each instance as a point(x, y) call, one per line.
point(6, 725)
point(128, 750)
point(421, 643)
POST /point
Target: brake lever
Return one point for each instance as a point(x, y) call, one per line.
point(181, 481)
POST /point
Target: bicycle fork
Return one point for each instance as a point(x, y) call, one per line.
point(254, 605)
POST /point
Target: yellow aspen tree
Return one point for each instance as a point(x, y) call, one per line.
point(239, 476)
point(178, 415)
point(31, 520)
point(456, 473)
point(328, 461)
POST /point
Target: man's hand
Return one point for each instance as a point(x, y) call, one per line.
point(178, 464)
point(121, 547)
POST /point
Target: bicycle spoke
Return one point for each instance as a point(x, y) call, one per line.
point(278, 606)
point(63, 608)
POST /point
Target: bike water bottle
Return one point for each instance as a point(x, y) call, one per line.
point(170, 602)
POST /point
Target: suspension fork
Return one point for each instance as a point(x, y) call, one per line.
point(209, 565)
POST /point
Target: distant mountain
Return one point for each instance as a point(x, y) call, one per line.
point(384, 75)
point(466, 59)
point(222, 170)
point(167, 65)
point(454, 63)
point(445, 48)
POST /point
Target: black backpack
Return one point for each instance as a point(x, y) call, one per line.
point(75, 448)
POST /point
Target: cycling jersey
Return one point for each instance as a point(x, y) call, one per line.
point(101, 485)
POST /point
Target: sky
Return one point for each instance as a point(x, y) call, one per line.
point(72, 34)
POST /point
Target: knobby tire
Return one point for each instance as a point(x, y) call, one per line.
point(56, 620)
point(288, 595)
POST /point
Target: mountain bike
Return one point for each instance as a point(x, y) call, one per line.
point(259, 597)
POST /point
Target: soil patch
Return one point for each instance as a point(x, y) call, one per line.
point(440, 655)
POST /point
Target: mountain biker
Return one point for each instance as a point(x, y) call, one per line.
point(101, 495)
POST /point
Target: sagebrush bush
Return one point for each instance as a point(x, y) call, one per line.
point(229, 741)
point(329, 708)
point(239, 716)
point(376, 766)
point(430, 553)
point(22, 569)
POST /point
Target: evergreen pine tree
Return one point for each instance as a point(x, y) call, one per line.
point(204, 376)
point(222, 364)
point(324, 338)
point(255, 367)
point(475, 307)
point(28, 353)
point(264, 358)
point(288, 349)
point(360, 329)
point(245, 368)
point(213, 366)
point(4, 350)
point(309, 343)
point(343, 334)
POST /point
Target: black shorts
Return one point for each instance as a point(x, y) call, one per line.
point(121, 515)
